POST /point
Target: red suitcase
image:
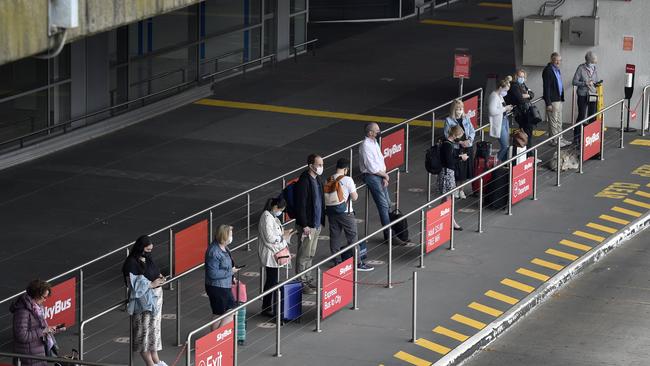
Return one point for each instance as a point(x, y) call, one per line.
point(481, 166)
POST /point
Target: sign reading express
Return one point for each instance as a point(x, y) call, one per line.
point(337, 287)
point(60, 307)
point(591, 140)
point(392, 146)
point(471, 109)
point(522, 180)
point(216, 348)
point(438, 226)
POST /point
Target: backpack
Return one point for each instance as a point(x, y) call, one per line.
point(401, 229)
point(432, 162)
point(334, 196)
point(483, 149)
point(287, 194)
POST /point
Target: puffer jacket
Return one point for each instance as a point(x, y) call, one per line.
point(28, 331)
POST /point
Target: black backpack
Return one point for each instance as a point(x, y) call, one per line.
point(401, 229)
point(483, 149)
point(432, 162)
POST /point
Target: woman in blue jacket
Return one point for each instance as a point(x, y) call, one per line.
point(219, 271)
point(464, 168)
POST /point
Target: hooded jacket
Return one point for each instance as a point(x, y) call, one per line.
point(28, 330)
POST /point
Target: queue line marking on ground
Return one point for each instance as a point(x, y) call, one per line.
point(449, 23)
point(501, 297)
point(485, 309)
point(413, 360)
point(547, 264)
point(642, 194)
point(561, 254)
point(640, 142)
point(614, 219)
point(637, 203)
point(607, 229)
point(432, 346)
point(532, 274)
point(468, 321)
point(586, 235)
point(626, 211)
point(450, 333)
point(574, 245)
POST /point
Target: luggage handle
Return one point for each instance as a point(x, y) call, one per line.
point(288, 263)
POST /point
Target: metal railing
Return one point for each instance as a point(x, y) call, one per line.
point(149, 80)
point(645, 110)
point(241, 66)
point(56, 360)
point(306, 46)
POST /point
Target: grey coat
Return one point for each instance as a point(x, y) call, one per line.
point(28, 331)
point(581, 77)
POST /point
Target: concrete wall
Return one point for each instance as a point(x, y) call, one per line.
point(617, 18)
point(23, 23)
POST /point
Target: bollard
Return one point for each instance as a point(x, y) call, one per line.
point(559, 161)
point(480, 205)
point(509, 212)
point(319, 293)
point(423, 237)
point(602, 138)
point(582, 148)
point(428, 187)
point(178, 313)
point(414, 308)
point(622, 128)
point(355, 286)
point(453, 206)
point(389, 281)
point(535, 175)
point(278, 313)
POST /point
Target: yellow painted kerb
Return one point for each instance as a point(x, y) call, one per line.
point(448, 23)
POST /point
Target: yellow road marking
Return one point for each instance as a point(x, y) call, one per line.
point(533, 274)
point(626, 211)
point(547, 264)
point(468, 321)
point(561, 254)
point(640, 142)
point(604, 228)
point(637, 203)
point(585, 235)
point(435, 347)
point(450, 333)
point(642, 194)
point(496, 5)
point(485, 309)
point(613, 219)
point(501, 297)
point(518, 285)
point(467, 25)
point(407, 357)
point(573, 244)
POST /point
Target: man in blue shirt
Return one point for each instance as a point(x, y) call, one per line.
point(554, 96)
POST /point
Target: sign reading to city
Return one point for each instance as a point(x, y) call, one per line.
point(216, 348)
point(462, 65)
point(392, 146)
point(591, 140)
point(471, 110)
point(438, 226)
point(522, 180)
point(338, 284)
point(60, 306)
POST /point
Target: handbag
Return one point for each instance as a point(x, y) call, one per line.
point(239, 291)
point(534, 116)
point(519, 138)
point(283, 257)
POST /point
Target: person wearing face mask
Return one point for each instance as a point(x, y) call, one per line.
point(449, 158)
point(309, 202)
point(554, 97)
point(219, 271)
point(585, 80)
point(464, 168)
point(498, 110)
point(272, 239)
point(520, 96)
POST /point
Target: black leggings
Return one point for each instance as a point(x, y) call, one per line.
point(585, 109)
point(269, 301)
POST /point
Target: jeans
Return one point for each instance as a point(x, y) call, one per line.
point(272, 277)
point(504, 139)
point(381, 197)
point(585, 109)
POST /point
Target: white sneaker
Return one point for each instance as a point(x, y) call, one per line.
point(564, 143)
point(538, 160)
point(161, 363)
point(456, 195)
point(462, 195)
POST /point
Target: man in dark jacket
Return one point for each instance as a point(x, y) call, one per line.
point(554, 96)
point(309, 202)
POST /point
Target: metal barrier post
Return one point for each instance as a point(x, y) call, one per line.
point(389, 281)
point(210, 228)
point(365, 224)
point(510, 166)
point(423, 237)
point(406, 153)
point(428, 187)
point(582, 148)
point(453, 206)
point(433, 128)
point(644, 111)
point(602, 137)
point(355, 286)
point(414, 309)
point(248, 221)
point(131, 341)
point(558, 151)
point(319, 293)
point(573, 104)
point(171, 256)
point(262, 278)
point(81, 295)
point(126, 288)
point(480, 205)
point(352, 162)
point(480, 113)
point(535, 175)
point(278, 324)
point(622, 128)
point(234, 345)
point(397, 190)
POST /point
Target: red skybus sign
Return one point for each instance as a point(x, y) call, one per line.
point(216, 348)
point(438, 226)
point(60, 307)
point(522, 180)
point(392, 146)
point(338, 284)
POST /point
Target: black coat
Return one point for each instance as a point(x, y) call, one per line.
point(303, 198)
point(515, 97)
point(551, 91)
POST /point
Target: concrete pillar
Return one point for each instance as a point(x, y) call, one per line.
point(283, 29)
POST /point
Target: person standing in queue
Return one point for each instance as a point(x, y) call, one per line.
point(449, 161)
point(498, 114)
point(464, 168)
point(585, 80)
point(554, 97)
point(219, 271)
point(520, 97)
point(310, 218)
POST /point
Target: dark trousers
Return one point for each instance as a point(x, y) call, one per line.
point(269, 301)
point(343, 232)
point(585, 109)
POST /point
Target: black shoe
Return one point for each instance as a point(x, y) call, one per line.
point(268, 313)
point(241, 342)
point(460, 228)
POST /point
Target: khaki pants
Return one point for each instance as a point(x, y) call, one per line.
point(306, 252)
point(554, 118)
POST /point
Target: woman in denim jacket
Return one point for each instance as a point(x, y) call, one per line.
point(219, 271)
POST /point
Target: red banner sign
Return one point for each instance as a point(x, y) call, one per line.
point(471, 110)
point(522, 180)
point(438, 226)
point(462, 65)
point(591, 140)
point(392, 146)
point(60, 306)
point(190, 245)
point(337, 287)
point(216, 348)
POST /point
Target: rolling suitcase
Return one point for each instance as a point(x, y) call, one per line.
point(496, 191)
point(291, 302)
point(481, 165)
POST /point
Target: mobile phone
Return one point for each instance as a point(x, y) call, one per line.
point(59, 326)
point(240, 267)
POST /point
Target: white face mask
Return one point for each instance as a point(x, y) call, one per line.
point(503, 93)
point(229, 240)
point(318, 171)
point(277, 213)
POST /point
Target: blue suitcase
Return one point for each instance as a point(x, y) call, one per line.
point(291, 300)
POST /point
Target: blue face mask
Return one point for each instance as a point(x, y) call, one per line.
point(521, 80)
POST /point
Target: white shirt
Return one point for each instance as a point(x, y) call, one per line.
point(349, 187)
point(371, 160)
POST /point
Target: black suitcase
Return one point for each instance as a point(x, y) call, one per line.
point(401, 229)
point(496, 191)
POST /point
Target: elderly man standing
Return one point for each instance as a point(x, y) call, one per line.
point(554, 96)
point(585, 80)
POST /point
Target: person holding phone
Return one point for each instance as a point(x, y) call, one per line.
point(498, 114)
point(449, 158)
point(273, 242)
point(219, 271)
point(464, 168)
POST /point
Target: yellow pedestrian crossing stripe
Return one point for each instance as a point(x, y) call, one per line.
point(518, 285)
point(640, 142)
point(613, 219)
point(468, 321)
point(642, 194)
point(561, 254)
point(585, 235)
point(637, 203)
point(533, 274)
point(413, 360)
point(501, 297)
point(450, 333)
point(604, 228)
point(432, 346)
point(485, 309)
point(467, 25)
point(547, 264)
point(573, 244)
point(626, 211)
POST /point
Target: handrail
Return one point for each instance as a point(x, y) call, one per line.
point(644, 111)
point(59, 360)
point(240, 66)
point(227, 54)
point(83, 323)
point(304, 44)
point(159, 76)
point(387, 227)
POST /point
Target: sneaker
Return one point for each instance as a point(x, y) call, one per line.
point(564, 143)
point(161, 363)
point(241, 342)
point(538, 160)
point(456, 195)
point(365, 267)
point(462, 195)
point(306, 290)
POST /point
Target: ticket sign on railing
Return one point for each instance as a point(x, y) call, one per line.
point(216, 348)
point(392, 146)
point(60, 306)
point(591, 140)
point(471, 110)
point(438, 226)
point(338, 284)
point(190, 245)
point(522, 180)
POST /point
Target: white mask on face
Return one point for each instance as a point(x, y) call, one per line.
point(319, 170)
point(277, 213)
point(229, 240)
point(503, 93)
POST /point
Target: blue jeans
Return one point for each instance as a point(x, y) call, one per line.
point(504, 139)
point(380, 196)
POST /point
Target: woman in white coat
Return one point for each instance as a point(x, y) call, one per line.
point(272, 239)
point(497, 110)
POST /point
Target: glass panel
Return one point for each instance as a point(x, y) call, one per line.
point(223, 52)
point(175, 28)
point(152, 74)
point(298, 5)
point(22, 75)
point(60, 65)
point(269, 6)
point(269, 36)
point(23, 115)
point(60, 103)
point(224, 15)
point(298, 30)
